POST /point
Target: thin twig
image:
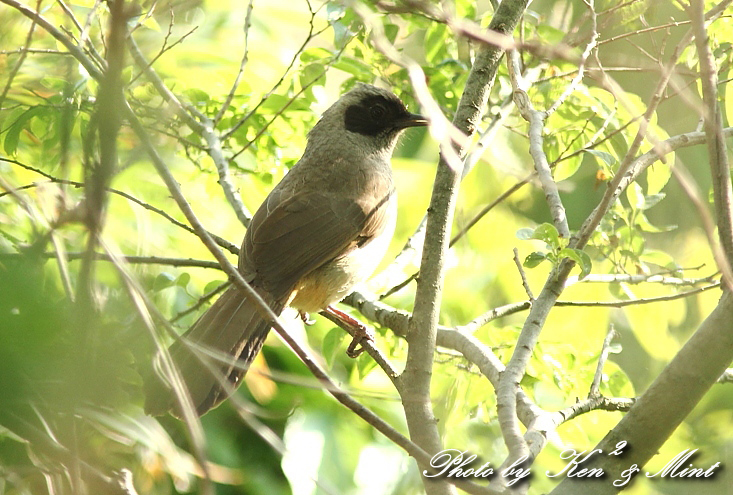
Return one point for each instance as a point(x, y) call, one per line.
point(309, 37)
point(58, 35)
point(146, 310)
point(691, 189)
point(626, 278)
point(242, 64)
point(717, 149)
point(162, 51)
point(219, 240)
point(201, 301)
point(145, 260)
point(523, 275)
point(23, 53)
point(605, 350)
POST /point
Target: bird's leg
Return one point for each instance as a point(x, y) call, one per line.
point(359, 330)
point(306, 318)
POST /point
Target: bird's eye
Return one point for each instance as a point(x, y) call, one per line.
point(377, 112)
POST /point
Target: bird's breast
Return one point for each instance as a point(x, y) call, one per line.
point(334, 280)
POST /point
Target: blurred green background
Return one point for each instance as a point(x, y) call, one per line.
point(70, 378)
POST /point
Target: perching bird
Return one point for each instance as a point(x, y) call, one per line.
point(323, 229)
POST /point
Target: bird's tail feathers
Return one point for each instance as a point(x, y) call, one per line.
point(218, 348)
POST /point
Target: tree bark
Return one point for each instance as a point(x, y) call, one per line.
point(660, 410)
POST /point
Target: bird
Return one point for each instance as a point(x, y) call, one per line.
point(321, 230)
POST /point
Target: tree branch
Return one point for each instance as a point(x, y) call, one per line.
point(657, 413)
point(713, 124)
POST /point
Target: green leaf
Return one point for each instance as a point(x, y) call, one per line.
point(391, 31)
point(643, 224)
point(312, 75)
point(635, 195)
point(525, 234)
point(551, 34)
point(163, 281)
point(534, 259)
point(13, 135)
point(548, 233)
point(197, 96)
point(567, 168)
point(335, 11)
point(364, 364)
point(658, 175)
point(183, 280)
point(603, 156)
point(315, 54)
point(581, 258)
point(212, 285)
point(619, 385)
point(355, 67)
point(331, 343)
point(150, 23)
point(657, 257)
point(434, 42)
point(651, 200)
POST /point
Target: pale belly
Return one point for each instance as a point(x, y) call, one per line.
point(334, 281)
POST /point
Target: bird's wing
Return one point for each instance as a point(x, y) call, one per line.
point(291, 235)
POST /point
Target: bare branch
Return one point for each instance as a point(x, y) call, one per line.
point(690, 188)
point(628, 170)
point(90, 67)
point(605, 350)
point(536, 121)
point(245, 56)
point(219, 240)
point(713, 120)
point(203, 126)
point(23, 53)
point(146, 310)
point(525, 284)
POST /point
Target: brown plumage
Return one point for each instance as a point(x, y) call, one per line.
point(322, 229)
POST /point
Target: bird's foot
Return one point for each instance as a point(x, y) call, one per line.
point(358, 331)
point(306, 318)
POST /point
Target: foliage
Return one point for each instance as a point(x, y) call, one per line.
point(75, 345)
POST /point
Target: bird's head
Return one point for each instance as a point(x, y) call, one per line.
point(367, 119)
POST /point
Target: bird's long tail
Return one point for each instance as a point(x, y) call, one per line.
point(231, 327)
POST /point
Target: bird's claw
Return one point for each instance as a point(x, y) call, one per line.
point(359, 331)
point(306, 318)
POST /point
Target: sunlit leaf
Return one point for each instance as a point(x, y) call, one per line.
point(658, 174)
point(525, 233)
point(581, 258)
point(533, 259)
point(635, 195)
point(331, 344)
point(163, 280)
point(548, 233)
point(604, 157)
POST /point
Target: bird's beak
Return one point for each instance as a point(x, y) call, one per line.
point(412, 120)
